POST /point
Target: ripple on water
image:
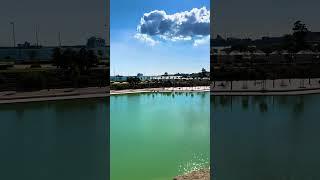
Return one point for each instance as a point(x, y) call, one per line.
point(196, 163)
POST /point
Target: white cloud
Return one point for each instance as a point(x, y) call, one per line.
point(146, 38)
point(191, 25)
point(202, 41)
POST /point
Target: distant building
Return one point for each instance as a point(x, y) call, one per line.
point(24, 45)
point(118, 78)
point(98, 45)
point(26, 51)
point(95, 42)
point(313, 38)
point(140, 76)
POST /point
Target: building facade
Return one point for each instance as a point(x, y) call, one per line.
point(26, 52)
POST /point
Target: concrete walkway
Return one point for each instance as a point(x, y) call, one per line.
point(266, 87)
point(169, 89)
point(53, 94)
point(83, 93)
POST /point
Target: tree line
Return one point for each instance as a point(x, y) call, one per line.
point(70, 59)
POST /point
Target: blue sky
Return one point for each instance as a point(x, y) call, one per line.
point(130, 54)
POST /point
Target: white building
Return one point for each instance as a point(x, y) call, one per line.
point(25, 52)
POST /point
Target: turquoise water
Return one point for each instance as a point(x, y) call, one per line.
point(264, 138)
point(157, 136)
point(61, 140)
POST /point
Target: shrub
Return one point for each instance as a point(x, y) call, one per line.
point(32, 81)
point(37, 65)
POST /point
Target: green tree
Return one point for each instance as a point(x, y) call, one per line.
point(300, 31)
point(100, 54)
point(70, 59)
point(82, 59)
point(288, 43)
point(203, 73)
point(57, 57)
point(92, 59)
point(133, 81)
point(32, 55)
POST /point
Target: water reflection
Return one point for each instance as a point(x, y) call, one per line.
point(264, 103)
point(54, 140)
point(175, 124)
point(265, 137)
point(245, 103)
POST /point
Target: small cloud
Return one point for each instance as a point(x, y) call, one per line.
point(192, 25)
point(145, 38)
point(202, 41)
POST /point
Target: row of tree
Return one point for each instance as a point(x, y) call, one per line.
point(135, 83)
point(70, 59)
point(203, 74)
point(294, 42)
point(297, 40)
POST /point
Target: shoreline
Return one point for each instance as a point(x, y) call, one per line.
point(202, 174)
point(267, 93)
point(10, 97)
point(161, 90)
point(279, 87)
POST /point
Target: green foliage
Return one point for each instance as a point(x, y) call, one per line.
point(75, 64)
point(133, 80)
point(32, 81)
point(32, 54)
point(70, 59)
point(159, 84)
point(299, 27)
point(299, 34)
point(239, 47)
point(57, 57)
point(2, 79)
point(35, 65)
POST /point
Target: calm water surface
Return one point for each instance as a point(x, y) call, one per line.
point(62, 140)
point(157, 136)
point(264, 138)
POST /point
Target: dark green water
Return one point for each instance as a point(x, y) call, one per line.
point(159, 136)
point(63, 140)
point(266, 138)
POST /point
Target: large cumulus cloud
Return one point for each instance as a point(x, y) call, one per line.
point(193, 25)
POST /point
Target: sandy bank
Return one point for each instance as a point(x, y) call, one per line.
point(203, 174)
point(170, 89)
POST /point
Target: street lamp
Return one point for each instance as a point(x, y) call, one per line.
point(13, 34)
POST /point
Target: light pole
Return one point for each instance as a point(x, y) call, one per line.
point(37, 34)
point(59, 39)
point(13, 34)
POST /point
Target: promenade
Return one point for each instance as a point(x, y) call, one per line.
point(53, 94)
point(83, 93)
point(266, 87)
point(167, 89)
